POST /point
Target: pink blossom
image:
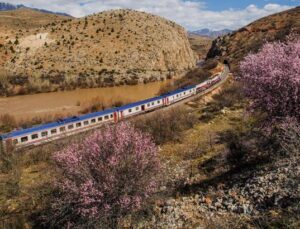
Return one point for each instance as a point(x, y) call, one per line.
point(111, 171)
point(271, 78)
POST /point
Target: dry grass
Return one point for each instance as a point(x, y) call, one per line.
point(166, 125)
point(98, 104)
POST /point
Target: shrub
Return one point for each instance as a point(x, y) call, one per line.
point(7, 123)
point(230, 97)
point(108, 174)
point(166, 125)
point(12, 49)
point(271, 78)
point(285, 137)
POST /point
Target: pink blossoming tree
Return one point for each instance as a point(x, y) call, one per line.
point(271, 78)
point(108, 174)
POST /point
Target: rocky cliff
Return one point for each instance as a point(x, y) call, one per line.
point(233, 47)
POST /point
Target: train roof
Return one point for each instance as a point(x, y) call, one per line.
point(179, 90)
point(59, 122)
point(131, 105)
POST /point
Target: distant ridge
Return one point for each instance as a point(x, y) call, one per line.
point(211, 33)
point(7, 6)
point(235, 46)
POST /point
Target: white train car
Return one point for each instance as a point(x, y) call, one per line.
point(180, 94)
point(136, 108)
point(55, 130)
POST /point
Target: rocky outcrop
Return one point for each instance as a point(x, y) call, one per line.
point(235, 46)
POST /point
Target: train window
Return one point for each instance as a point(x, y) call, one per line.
point(129, 110)
point(177, 95)
point(106, 117)
point(148, 104)
point(111, 116)
point(158, 101)
point(15, 141)
point(34, 136)
point(53, 131)
point(93, 120)
point(100, 119)
point(152, 103)
point(45, 134)
point(78, 124)
point(137, 108)
point(184, 93)
point(24, 139)
point(70, 127)
point(85, 123)
point(62, 129)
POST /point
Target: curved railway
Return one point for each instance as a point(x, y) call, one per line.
point(69, 126)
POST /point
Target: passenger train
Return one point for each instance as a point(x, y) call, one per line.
point(69, 126)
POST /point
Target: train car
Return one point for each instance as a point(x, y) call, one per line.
point(202, 86)
point(180, 94)
point(136, 108)
point(216, 79)
point(208, 83)
point(55, 130)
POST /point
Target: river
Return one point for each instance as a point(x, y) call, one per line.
point(72, 102)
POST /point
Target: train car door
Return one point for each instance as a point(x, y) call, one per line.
point(116, 116)
point(143, 108)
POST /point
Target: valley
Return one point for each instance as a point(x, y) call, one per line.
point(220, 148)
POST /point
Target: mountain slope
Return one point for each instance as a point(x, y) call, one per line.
point(109, 48)
point(200, 44)
point(25, 18)
point(211, 33)
point(233, 47)
point(7, 6)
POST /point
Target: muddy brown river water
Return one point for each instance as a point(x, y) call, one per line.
point(71, 102)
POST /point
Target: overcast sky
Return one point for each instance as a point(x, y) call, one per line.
point(192, 14)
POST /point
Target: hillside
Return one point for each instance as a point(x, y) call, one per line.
point(233, 47)
point(25, 18)
point(7, 6)
point(21, 22)
point(200, 44)
point(109, 48)
point(211, 33)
